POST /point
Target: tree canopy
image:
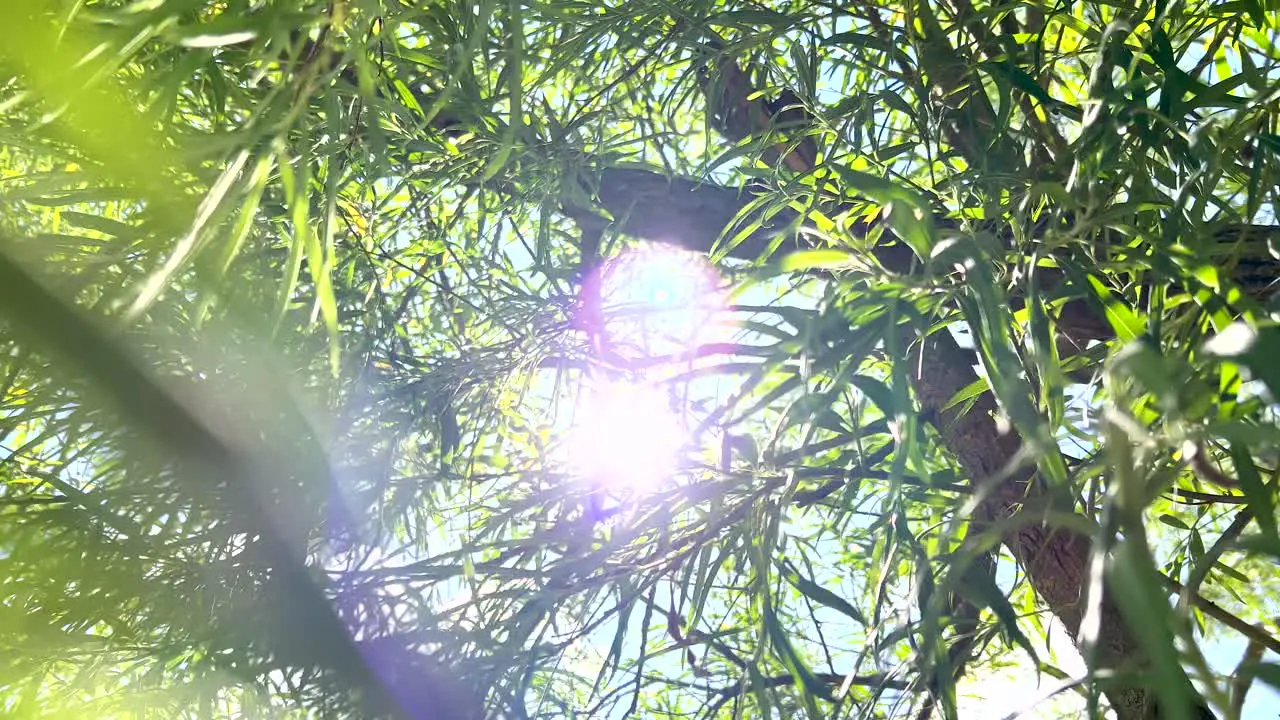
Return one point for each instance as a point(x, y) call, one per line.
point(714, 359)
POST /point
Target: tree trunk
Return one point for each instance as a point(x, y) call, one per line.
point(1056, 561)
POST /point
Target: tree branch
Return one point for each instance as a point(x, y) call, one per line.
point(694, 215)
point(1222, 615)
point(1055, 561)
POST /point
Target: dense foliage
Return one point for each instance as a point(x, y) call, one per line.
point(959, 312)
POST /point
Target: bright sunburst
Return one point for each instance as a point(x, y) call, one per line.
point(658, 299)
point(654, 300)
point(626, 435)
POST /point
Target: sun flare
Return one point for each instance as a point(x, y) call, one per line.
point(626, 435)
point(658, 299)
point(655, 300)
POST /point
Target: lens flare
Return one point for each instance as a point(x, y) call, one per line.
point(650, 301)
point(626, 435)
point(658, 299)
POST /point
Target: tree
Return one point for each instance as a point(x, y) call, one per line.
point(298, 297)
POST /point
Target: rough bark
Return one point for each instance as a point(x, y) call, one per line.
point(1055, 560)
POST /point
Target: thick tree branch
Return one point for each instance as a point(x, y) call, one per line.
point(944, 355)
point(682, 211)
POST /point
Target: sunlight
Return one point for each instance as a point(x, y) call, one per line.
point(653, 300)
point(625, 435)
point(658, 299)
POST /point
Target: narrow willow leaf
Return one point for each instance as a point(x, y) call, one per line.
point(907, 213)
point(981, 588)
point(255, 186)
point(216, 41)
point(1146, 610)
point(811, 259)
point(187, 245)
point(105, 225)
point(819, 594)
point(970, 391)
point(1261, 498)
point(296, 192)
point(1254, 348)
point(1123, 319)
point(806, 684)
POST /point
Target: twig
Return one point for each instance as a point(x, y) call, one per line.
point(1217, 612)
point(1199, 462)
point(1204, 498)
point(1201, 571)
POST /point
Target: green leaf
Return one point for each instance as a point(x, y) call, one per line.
point(819, 594)
point(1263, 544)
point(1146, 611)
point(1261, 498)
point(815, 259)
point(104, 225)
point(1027, 84)
point(877, 392)
point(188, 244)
point(806, 684)
point(981, 589)
point(1268, 673)
point(906, 212)
point(1124, 321)
point(968, 392)
point(296, 192)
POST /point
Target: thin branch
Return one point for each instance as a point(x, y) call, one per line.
point(1200, 498)
point(168, 413)
point(1199, 462)
point(1220, 546)
point(1217, 612)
